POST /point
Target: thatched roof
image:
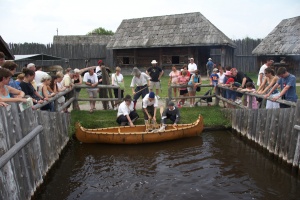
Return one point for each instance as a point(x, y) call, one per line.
point(190, 29)
point(283, 40)
point(5, 49)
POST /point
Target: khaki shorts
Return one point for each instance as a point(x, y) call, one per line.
point(92, 93)
point(154, 84)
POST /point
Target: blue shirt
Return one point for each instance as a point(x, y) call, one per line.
point(14, 84)
point(214, 78)
point(210, 65)
point(290, 94)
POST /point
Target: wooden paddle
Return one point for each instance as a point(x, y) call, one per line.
point(141, 90)
point(161, 110)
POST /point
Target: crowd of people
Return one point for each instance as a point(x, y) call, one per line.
point(40, 86)
point(271, 86)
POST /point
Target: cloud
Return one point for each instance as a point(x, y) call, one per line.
point(38, 20)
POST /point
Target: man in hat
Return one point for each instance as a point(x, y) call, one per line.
point(209, 67)
point(150, 104)
point(155, 73)
point(214, 78)
point(126, 114)
point(192, 67)
point(141, 81)
point(98, 68)
point(172, 113)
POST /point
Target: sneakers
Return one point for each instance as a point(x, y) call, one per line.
point(158, 97)
point(179, 105)
point(162, 128)
point(238, 101)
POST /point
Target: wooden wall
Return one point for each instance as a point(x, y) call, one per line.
point(78, 53)
point(24, 172)
point(272, 129)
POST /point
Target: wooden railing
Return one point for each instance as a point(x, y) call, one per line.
point(219, 97)
point(31, 141)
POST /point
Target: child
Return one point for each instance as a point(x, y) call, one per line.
point(250, 88)
point(183, 80)
point(214, 78)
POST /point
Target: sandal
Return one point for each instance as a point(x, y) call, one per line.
point(91, 110)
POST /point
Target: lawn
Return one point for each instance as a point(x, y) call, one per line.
point(106, 118)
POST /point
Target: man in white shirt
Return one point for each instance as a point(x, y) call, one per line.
point(150, 104)
point(39, 74)
point(90, 78)
point(126, 113)
point(261, 73)
point(141, 81)
point(192, 67)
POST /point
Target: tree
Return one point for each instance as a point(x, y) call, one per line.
point(100, 31)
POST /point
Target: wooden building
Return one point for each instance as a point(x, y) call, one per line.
point(171, 40)
point(282, 45)
point(5, 49)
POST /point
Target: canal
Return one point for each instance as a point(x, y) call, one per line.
point(214, 165)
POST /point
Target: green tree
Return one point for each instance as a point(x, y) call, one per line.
point(100, 31)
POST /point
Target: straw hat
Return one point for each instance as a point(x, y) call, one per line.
point(153, 62)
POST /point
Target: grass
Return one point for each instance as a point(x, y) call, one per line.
point(107, 118)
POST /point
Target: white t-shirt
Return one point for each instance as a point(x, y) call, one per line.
point(146, 101)
point(115, 80)
point(91, 79)
point(140, 81)
point(124, 109)
point(192, 67)
point(221, 77)
point(98, 68)
point(261, 71)
point(38, 77)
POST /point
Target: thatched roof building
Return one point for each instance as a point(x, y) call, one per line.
point(5, 49)
point(181, 30)
point(282, 44)
point(170, 40)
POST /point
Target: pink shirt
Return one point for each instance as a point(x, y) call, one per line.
point(174, 76)
point(182, 80)
point(254, 102)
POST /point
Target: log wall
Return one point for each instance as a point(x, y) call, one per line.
point(272, 129)
point(31, 141)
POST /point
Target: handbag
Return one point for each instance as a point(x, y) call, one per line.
point(121, 85)
point(198, 89)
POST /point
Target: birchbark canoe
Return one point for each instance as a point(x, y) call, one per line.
point(137, 134)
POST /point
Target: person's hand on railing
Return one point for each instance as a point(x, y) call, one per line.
point(276, 98)
point(3, 104)
point(266, 96)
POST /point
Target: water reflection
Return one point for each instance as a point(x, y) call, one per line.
point(214, 165)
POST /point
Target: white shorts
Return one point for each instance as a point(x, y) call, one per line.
point(272, 104)
point(154, 84)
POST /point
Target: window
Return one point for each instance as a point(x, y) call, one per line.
point(175, 59)
point(125, 60)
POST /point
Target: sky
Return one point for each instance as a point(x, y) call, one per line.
point(38, 21)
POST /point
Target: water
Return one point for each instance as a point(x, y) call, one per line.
point(215, 165)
